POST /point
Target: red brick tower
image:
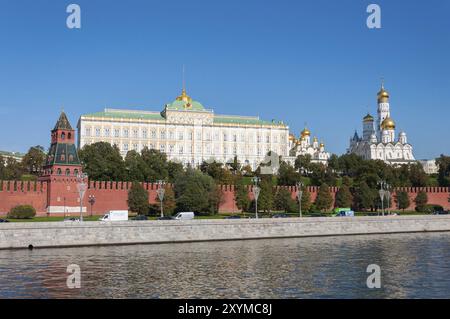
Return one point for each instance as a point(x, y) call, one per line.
point(61, 169)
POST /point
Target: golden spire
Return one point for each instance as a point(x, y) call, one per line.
point(184, 97)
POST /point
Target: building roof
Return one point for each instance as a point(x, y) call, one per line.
point(11, 154)
point(127, 114)
point(63, 123)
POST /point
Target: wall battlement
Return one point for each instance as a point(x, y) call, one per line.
point(113, 195)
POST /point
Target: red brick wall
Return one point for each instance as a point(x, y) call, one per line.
point(114, 195)
point(13, 193)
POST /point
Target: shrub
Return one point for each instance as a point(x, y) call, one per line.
point(22, 212)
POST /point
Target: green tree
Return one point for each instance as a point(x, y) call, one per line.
point(235, 165)
point(265, 200)
point(241, 197)
point(33, 160)
point(169, 203)
point(287, 175)
point(102, 161)
point(135, 167)
point(421, 201)
point(324, 200)
point(196, 192)
point(138, 199)
point(344, 197)
point(443, 163)
point(174, 169)
point(364, 197)
point(283, 201)
point(302, 163)
point(10, 169)
point(402, 200)
point(156, 165)
point(216, 170)
point(306, 200)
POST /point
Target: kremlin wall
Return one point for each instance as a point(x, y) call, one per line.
point(113, 195)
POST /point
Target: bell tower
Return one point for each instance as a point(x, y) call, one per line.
point(61, 168)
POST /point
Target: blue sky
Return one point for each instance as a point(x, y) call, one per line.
point(297, 61)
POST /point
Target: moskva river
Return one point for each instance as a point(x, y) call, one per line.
point(411, 266)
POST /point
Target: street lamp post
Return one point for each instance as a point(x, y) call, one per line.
point(91, 201)
point(299, 196)
point(161, 191)
point(82, 187)
point(388, 198)
point(382, 193)
point(256, 191)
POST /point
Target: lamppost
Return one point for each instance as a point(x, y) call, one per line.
point(382, 193)
point(299, 196)
point(388, 198)
point(161, 191)
point(82, 187)
point(256, 191)
point(91, 201)
point(64, 208)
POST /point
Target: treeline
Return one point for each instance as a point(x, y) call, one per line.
point(28, 169)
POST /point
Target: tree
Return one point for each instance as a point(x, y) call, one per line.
point(265, 200)
point(324, 200)
point(169, 203)
point(287, 175)
point(344, 197)
point(196, 192)
point(10, 169)
point(102, 161)
point(33, 160)
point(302, 163)
point(135, 167)
point(443, 163)
point(174, 169)
point(216, 170)
point(283, 201)
point(364, 197)
point(402, 200)
point(241, 196)
point(138, 199)
point(421, 201)
point(156, 165)
point(235, 166)
point(306, 199)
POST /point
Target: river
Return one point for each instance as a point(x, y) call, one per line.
point(412, 266)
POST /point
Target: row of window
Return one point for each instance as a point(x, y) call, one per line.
point(107, 132)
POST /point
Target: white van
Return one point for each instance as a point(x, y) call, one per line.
point(115, 216)
point(184, 216)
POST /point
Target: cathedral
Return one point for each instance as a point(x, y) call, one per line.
point(304, 146)
point(378, 141)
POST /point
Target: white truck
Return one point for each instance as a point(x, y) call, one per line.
point(115, 216)
point(184, 216)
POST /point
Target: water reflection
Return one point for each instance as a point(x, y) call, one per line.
point(413, 266)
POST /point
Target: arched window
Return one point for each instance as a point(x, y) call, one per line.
point(75, 172)
point(69, 136)
point(67, 172)
point(63, 135)
point(59, 172)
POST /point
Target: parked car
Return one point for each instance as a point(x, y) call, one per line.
point(4, 221)
point(184, 216)
point(440, 212)
point(140, 217)
point(165, 218)
point(233, 217)
point(280, 216)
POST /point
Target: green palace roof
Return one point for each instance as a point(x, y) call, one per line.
point(186, 104)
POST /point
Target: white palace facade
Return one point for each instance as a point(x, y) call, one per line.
point(378, 140)
point(188, 133)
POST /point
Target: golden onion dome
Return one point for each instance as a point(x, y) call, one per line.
point(383, 95)
point(291, 137)
point(315, 139)
point(322, 144)
point(388, 124)
point(368, 118)
point(305, 132)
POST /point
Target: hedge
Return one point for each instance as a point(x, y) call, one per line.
point(22, 212)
